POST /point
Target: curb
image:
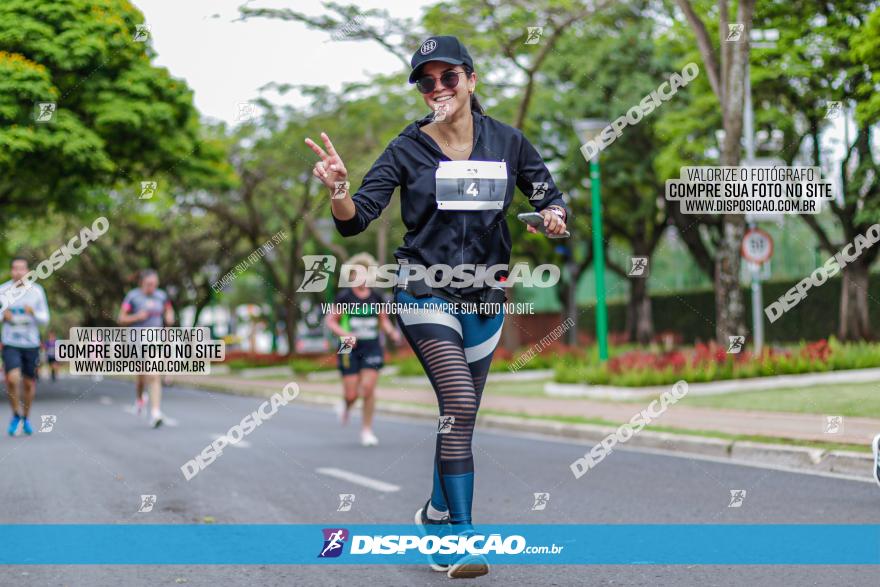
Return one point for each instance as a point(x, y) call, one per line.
point(849, 463)
point(796, 458)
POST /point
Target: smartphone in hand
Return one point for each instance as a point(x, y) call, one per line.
point(536, 220)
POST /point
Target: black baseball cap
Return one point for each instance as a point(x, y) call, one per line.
point(445, 48)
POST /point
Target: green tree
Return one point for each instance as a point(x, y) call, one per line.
point(89, 288)
point(118, 120)
point(831, 57)
point(725, 67)
point(865, 48)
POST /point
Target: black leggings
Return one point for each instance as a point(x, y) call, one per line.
point(455, 349)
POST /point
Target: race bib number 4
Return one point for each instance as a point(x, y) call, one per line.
point(471, 185)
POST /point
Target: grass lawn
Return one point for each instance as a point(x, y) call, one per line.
point(857, 399)
point(530, 388)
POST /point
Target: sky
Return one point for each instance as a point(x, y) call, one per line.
point(225, 62)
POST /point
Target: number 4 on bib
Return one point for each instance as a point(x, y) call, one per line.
point(471, 185)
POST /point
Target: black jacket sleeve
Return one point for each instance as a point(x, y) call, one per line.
point(532, 174)
point(374, 193)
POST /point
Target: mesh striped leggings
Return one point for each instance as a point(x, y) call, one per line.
point(455, 350)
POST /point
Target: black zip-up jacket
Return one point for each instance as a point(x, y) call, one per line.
point(449, 237)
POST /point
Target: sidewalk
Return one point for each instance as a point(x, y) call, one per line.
point(808, 427)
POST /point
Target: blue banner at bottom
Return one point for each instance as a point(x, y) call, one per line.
point(268, 544)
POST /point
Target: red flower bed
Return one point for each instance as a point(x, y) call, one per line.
point(819, 350)
point(703, 355)
point(643, 360)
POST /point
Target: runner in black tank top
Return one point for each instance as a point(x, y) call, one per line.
point(361, 318)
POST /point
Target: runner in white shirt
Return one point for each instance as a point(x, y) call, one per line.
point(24, 311)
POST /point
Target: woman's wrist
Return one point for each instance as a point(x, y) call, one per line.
point(559, 211)
point(343, 208)
point(340, 190)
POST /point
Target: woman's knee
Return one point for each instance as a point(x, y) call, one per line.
point(367, 383)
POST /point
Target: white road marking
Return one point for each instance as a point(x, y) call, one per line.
point(104, 400)
point(359, 479)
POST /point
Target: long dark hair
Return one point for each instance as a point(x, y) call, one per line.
point(475, 103)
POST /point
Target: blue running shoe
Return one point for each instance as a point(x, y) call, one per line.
point(468, 566)
point(13, 424)
point(26, 426)
point(427, 526)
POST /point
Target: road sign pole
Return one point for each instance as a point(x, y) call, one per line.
point(757, 249)
point(757, 309)
point(599, 260)
point(763, 39)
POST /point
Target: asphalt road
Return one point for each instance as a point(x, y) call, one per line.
point(99, 459)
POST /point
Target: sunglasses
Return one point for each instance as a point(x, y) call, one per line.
point(449, 79)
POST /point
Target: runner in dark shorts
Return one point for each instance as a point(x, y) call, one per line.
point(24, 311)
point(361, 358)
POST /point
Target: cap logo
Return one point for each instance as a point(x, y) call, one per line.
point(428, 46)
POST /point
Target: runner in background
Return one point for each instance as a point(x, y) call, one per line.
point(49, 347)
point(26, 311)
point(360, 367)
point(147, 306)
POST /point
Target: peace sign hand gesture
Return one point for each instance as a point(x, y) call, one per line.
point(330, 169)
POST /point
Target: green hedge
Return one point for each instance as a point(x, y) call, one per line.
point(692, 314)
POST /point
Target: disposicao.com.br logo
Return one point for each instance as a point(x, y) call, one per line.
point(334, 540)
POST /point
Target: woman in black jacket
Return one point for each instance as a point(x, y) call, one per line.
point(456, 170)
